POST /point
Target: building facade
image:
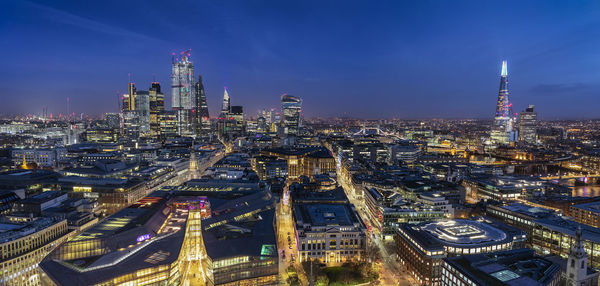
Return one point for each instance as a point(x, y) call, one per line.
point(23, 246)
point(528, 126)
point(182, 90)
point(329, 233)
point(502, 131)
point(422, 247)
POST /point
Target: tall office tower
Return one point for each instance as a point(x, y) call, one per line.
point(131, 124)
point(502, 129)
point(142, 107)
point(131, 96)
point(226, 104)
point(125, 102)
point(168, 123)
point(236, 122)
point(291, 107)
point(112, 120)
point(528, 125)
point(157, 104)
point(182, 84)
point(201, 117)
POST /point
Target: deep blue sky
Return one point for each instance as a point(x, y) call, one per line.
point(402, 59)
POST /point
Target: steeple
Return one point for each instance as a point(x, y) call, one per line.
point(504, 69)
point(577, 261)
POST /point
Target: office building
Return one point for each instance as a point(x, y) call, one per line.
point(131, 125)
point(511, 267)
point(201, 116)
point(128, 99)
point(328, 233)
point(502, 131)
point(304, 161)
point(113, 120)
point(24, 242)
point(157, 105)
point(182, 85)
point(42, 157)
point(291, 107)
point(519, 215)
point(241, 241)
point(501, 187)
point(142, 108)
point(528, 126)
point(422, 247)
point(167, 120)
point(587, 213)
point(384, 215)
point(156, 240)
point(555, 235)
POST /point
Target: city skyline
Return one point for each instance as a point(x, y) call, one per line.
point(414, 73)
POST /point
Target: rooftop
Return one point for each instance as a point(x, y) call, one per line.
point(325, 215)
point(512, 267)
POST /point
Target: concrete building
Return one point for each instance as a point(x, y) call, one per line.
point(24, 242)
point(587, 213)
point(329, 233)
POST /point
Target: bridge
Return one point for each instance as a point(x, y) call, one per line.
point(375, 129)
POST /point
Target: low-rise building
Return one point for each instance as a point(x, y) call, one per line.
point(422, 247)
point(329, 233)
point(24, 242)
point(511, 267)
point(587, 213)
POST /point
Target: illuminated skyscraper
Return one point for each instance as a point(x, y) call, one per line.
point(291, 107)
point(201, 117)
point(226, 104)
point(129, 98)
point(528, 126)
point(157, 104)
point(502, 129)
point(142, 108)
point(182, 84)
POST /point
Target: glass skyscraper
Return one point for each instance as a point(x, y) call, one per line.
point(201, 117)
point(528, 126)
point(502, 129)
point(182, 84)
point(291, 107)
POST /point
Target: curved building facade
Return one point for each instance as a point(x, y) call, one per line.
point(422, 247)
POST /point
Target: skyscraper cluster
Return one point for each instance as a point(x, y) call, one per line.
point(188, 97)
point(143, 112)
point(141, 109)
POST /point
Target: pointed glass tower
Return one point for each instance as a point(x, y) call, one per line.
point(502, 129)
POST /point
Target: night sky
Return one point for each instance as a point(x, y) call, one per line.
point(400, 59)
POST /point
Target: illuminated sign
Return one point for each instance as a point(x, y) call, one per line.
point(143, 237)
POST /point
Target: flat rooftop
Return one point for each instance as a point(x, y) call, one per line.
point(591, 206)
point(325, 214)
point(535, 212)
point(460, 233)
point(512, 267)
